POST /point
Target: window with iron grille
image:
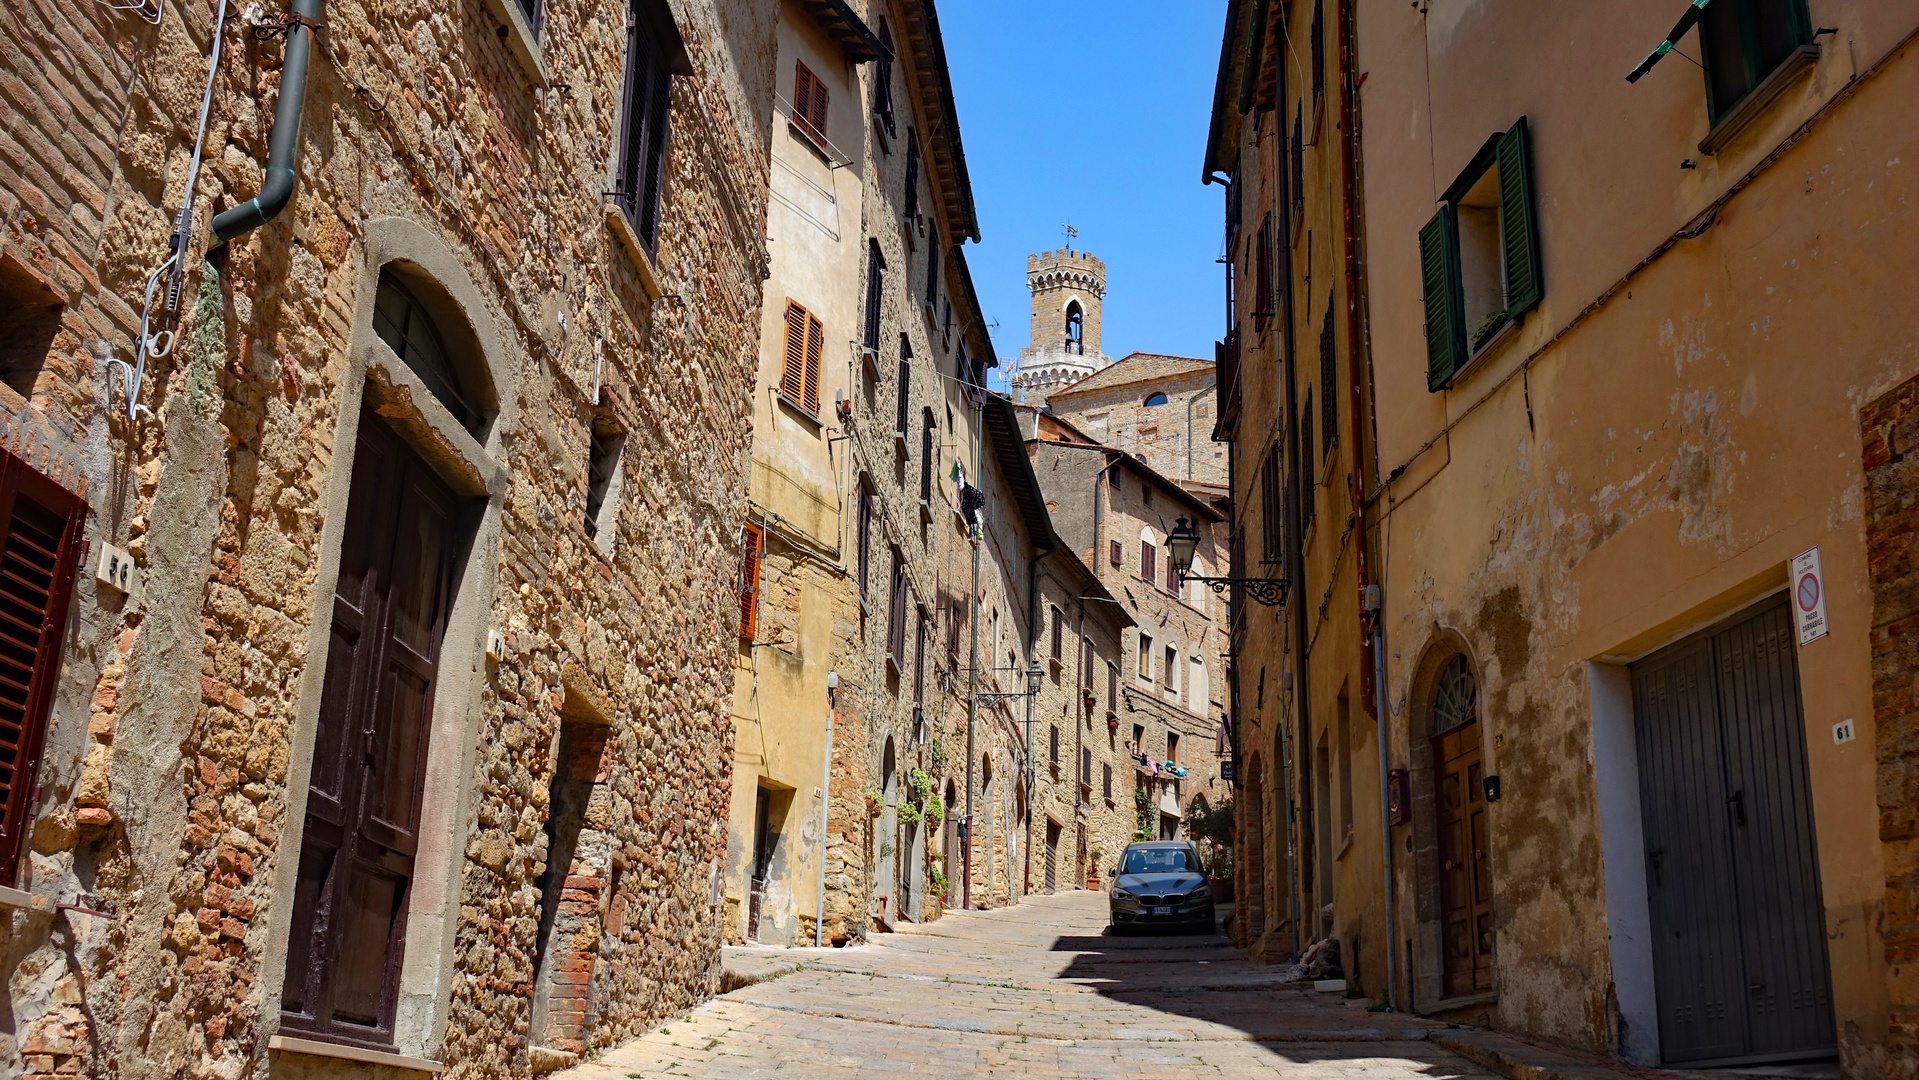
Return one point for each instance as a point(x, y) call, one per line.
point(919, 658)
point(865, 538)
point(809, 102)
point(1319, 49)
point(800, 362)
point(883, 81)
point(40, 527)
point(875, 290)
point(1328, 378)
point(932, 263)
point(912, 192)
point(905, 402)
point(1271, 507)
point(652, 44)
point(409, 329)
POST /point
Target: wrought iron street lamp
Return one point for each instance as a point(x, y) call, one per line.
point(1034, 677)
point(1183, 542)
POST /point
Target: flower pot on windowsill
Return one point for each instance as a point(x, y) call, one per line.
point(1112, 723)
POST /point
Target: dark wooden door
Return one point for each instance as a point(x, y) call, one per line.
point(1052, 856)
point(1465, 870)
point(1738, 927)
point(397, 557)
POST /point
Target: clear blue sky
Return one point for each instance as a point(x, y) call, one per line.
point(1094, 113)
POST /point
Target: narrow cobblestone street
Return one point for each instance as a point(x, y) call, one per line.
point(1035, 990)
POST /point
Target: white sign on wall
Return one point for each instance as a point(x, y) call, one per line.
point(1809, 596)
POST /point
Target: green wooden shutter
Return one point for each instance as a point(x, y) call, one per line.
point(1445, 329)
point(1519, 226)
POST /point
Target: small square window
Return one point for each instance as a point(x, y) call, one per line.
point(603, 482)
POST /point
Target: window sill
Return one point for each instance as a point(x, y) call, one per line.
point(287, 1044)
point(870, 358)
point(521, 39)
point(1797, 63)
point(899, 441)
point(800, 412)
point(630, 240)
point(926, 512)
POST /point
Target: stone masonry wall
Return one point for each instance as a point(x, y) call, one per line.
point(174, 795)
point(1157, 434)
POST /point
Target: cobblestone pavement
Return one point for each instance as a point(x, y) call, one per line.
point(1031, 991)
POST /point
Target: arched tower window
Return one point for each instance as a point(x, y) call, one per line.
point(1155, 398)
point(1075, 321)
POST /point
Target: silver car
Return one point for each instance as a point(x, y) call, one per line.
point(1161, 883)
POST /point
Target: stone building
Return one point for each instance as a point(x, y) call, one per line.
point(1640, 566)
point(384, 730)
point(871, 338)
point(1164, 714)
point(1158, 408)
point(1069, 298)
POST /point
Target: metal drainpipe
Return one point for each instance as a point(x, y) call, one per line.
point(972, 673)
point(1032, 708)
point(284, 145)
point(826, 799)
point(1189, 427)
point(1385, 814)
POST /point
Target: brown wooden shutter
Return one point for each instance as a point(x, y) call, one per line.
point(1117, 553)
point(818, 114)
point(815, 343)
point(919, 658)
point(40, 527)
point(793, 368)
point(1148, 561)
point(1052, 744)
point(1112, 687)
point(1058, 628)
point(751, 552)
point(802, 94)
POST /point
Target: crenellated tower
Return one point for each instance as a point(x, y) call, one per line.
point(1069, 291)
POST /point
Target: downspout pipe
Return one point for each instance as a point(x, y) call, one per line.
point(1385, 810)
point(283, 146)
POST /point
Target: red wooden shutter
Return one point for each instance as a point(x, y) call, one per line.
point(1117, 553)
point(751, 550)
point(819, 108)
point(802, 94)
point(815, 344)
point(40, 526)
point(793, 370)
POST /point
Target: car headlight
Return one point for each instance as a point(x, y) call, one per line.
point(1200, 893)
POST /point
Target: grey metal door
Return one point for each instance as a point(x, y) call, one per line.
point(1739, 944)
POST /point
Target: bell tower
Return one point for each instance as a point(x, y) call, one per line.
point(1069, 290)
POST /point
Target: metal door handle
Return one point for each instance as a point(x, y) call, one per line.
point(1656, 857)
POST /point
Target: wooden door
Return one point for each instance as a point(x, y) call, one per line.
point(1052, 856)
point(1738, 926)
point(1465, 865)
point(397, 559)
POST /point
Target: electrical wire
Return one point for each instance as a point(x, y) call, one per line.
point(138, 8)
point(153, 343)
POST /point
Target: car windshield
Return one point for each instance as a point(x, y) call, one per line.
point(1159, 861)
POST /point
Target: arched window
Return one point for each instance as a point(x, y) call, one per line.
point(1155, 398)
point(405, 324)
point(1456, 697)
point(1075, 320)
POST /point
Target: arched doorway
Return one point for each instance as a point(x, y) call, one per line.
point(1460, 827)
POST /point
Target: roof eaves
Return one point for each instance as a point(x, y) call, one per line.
point(1092, 588)
point(1164, 482)
point(847, 30)
point(1211, 165)
point(1009, 450)
point(923, 26)
point(986, 353)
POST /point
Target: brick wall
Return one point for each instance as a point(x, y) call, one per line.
point(1890, 430)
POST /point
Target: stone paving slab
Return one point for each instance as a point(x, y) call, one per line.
point(1031, 991)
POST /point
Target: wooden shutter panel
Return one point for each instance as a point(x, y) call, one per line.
point(905, 404)
point(1445, 319)
point(1148, 564)
point(819, 107)
point(40, 526)
point(802, 94)
point(793, 368)
point(1058, 627)
point(751, 553)
point(1519, 227)
point(1117, 553)
point(815, 343)
point(1052, 744)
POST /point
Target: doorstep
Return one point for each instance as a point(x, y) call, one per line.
point(1516, 1060)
